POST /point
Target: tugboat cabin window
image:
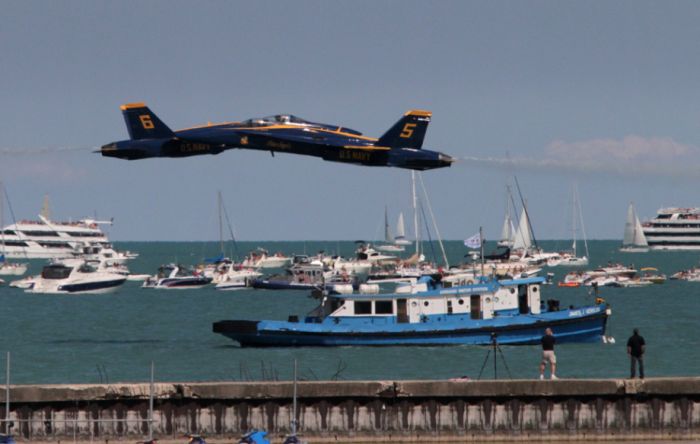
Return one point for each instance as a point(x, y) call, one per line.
point(475, 302)
point(522, 299)
point(384, 307)
point(363, 307)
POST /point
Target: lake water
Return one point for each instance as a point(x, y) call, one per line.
point(114, 337)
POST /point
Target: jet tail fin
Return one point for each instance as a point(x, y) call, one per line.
point(142, 123)
point(408, 132)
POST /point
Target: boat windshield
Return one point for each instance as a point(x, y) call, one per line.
point(87, 268)
point(56, 272)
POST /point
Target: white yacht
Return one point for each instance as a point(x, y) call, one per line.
point(673, 229)
point(46, 239)
point(75, 276)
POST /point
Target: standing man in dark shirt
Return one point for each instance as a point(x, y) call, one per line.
point(548, 355)
point(635, 349)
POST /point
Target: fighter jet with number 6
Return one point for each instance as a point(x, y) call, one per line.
point(401, 146)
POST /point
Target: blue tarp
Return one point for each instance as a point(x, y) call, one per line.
point(214, 260)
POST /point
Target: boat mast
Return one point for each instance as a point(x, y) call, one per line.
point(415, 211)
point(2, 221)
point(628, 238)
point(294, 401)
point(573, 220)
point(387, 233)
point(221, 223)
point(432, 216)
point(583, 228)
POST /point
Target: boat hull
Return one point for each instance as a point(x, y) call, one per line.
point(181, 284)
point(282, 285)
point(581, 325)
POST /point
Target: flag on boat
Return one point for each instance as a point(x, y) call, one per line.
point(474, 241)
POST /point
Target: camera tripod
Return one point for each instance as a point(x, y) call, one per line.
point(496, 349)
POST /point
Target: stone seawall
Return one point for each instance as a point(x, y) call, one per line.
point(354, 411)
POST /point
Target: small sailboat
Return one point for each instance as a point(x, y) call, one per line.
point(572, 259)
point(508, 230)
point(634, 240)
point(523, 236)
point(400, 238)
point(389, 245)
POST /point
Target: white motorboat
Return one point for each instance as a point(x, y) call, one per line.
point(11, 268)
point(366, 252)
point(74, 276)
point(631, 283)
point(690, 275)
point(176, 277)
point(237, 278)
point(261, 258)
point(24, 283)
point(356, 267)
point(103, 252)
point(634, 240)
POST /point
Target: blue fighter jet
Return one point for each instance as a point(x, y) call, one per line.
point(399, 147)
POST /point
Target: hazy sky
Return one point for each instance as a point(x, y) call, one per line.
point(602, 93)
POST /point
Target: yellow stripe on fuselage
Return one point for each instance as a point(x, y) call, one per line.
point(367, 147)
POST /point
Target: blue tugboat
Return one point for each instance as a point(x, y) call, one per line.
point(510, 310)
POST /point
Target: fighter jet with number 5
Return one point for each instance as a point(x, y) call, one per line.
point(401, 146)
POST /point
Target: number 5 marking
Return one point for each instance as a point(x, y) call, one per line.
point(146, 121)
point(407, 131)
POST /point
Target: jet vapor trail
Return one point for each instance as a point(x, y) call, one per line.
point(43, 150)
point(629, 168)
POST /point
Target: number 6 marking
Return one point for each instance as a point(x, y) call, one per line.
point(146, 121)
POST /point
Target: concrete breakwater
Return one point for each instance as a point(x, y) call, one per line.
point(353, 411)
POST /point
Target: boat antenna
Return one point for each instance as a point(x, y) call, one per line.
point(230, 229)
point(427, 229)
point(481, 245)
point(221, 222)
point(45, 212)
point(522, 201)
point(294, 401)
point(416, 227)
point(580, 215)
